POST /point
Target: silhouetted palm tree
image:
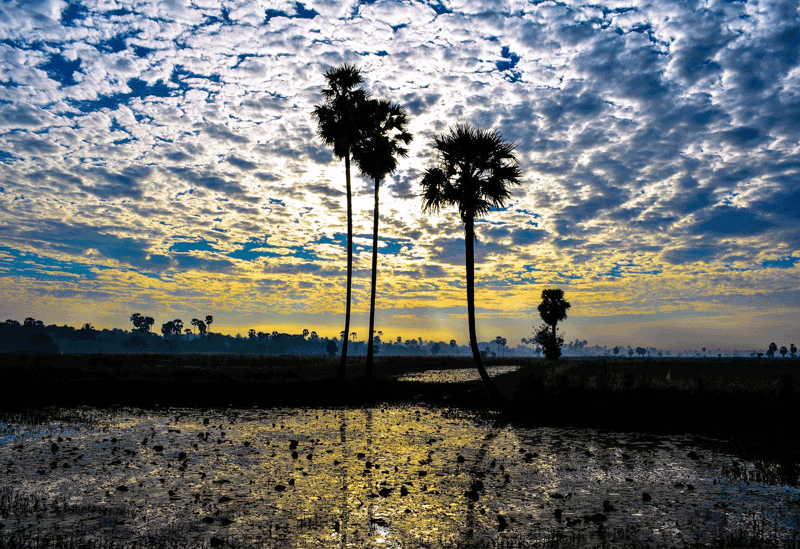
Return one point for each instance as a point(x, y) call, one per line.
point(553, 308)
point(209, 320)
point(383, 139)
point(338, 126)
point(474, 171)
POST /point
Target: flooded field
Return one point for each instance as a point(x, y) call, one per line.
point(373, 477)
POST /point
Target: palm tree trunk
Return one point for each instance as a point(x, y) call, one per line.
point(343, 361)
point(371, 342)
point(469, 237)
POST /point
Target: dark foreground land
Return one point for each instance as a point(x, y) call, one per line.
point(748, 407)
point(739, 398)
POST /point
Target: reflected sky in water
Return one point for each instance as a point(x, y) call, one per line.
point(455, 375)
point(373, 476)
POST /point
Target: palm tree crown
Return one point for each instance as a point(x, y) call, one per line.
point(553, 308)
point(338, 118)
point(382, 138)
point(474, 172)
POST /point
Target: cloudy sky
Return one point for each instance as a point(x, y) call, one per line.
point(159, 157)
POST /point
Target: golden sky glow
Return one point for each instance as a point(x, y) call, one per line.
point(161, 158)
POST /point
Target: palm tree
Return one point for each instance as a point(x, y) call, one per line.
point(383, 139)
point(474, 170)
point(553, 309)
point(338, 126)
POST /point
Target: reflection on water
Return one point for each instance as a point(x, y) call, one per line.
point(371, 477)
point(456, 375)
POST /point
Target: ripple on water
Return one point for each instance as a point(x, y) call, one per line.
point(373, 475)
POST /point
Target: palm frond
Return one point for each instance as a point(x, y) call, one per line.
point(479, 167)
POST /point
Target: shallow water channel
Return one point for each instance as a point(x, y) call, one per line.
point(373, 477)
point(454, 375)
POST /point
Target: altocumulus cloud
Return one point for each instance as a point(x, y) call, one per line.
point(664, 132)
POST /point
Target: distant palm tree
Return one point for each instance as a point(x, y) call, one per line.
point(553, 308)
point(338, 126)
point(209, 320)
point(384, 137)
point(474, 171)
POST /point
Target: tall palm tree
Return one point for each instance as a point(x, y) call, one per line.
point(383, 138)
point(338, 127)
point(553, 308)
point(474, 170)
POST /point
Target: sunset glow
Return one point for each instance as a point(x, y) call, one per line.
point(161, 158)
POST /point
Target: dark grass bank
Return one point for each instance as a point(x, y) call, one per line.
point(714, 397)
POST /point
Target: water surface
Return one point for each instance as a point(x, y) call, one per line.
point(372, 477)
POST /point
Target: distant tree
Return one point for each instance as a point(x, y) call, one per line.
point(550, 343)
point(201, 326)
point(339, 126)
point(331, 348)
point(87, 327)
point(172, 327)
point(641, 351)
point(29, 322)
point(167, 328)
point(452, 343)
point(772, 349)
point(616, 350)
point(142, 323)
point(305, 333)
point(12, 322)
point(435, 349)
point(783, 351)
point(399, 339)
point(187, 331)
point(630, 351)
point(209, 320)
point(499, 341)
point(793, 350)
point(553, 308)
point(251, 333)
point(313, 337)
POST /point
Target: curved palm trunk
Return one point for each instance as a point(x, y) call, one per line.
point(469, 236)
point(371, 342)
point(343, 361)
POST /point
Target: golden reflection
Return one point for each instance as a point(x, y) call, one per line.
point(383, 476)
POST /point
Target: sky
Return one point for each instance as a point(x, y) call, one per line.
point(160, 157)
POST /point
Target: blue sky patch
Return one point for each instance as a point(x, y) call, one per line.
point(785, 263)
point(61, 70)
